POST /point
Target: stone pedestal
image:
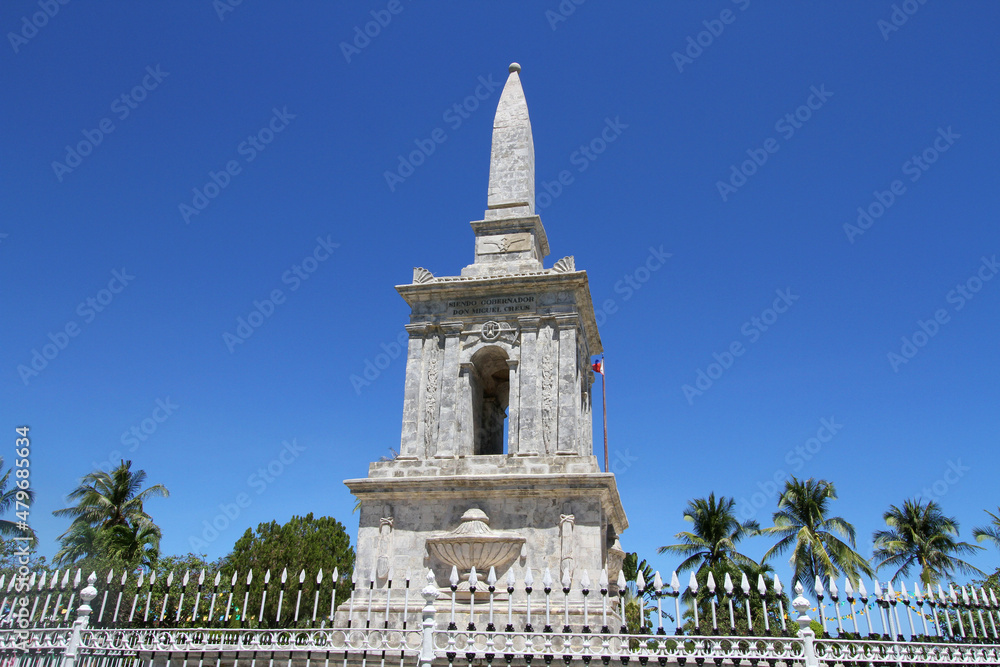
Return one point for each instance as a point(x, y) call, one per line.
point(566, 513)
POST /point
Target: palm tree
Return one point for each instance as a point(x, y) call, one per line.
point(640, 609)
point(981, 533)
point(714, 535)
point(703, 599)
point(115, 498)
point(80, 541)
point(817, 541)
point(8, 500)
point(921, 535)
point(135, 544)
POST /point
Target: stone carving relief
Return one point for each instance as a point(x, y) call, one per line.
point(565, 265)
point(548, 389)
point(422, 275)
point(383, 551)
point(430, 400)
point(567, 523)
point(474, 544)
point(489, 245)
point(493, 331)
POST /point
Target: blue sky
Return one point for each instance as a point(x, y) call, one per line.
point(747, 135)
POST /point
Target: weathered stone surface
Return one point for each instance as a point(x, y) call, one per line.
point(512, 160)
point(529, 505)
point(496, 409)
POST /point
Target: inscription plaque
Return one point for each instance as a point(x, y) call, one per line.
point(492, 305)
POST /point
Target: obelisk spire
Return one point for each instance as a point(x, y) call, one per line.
point(512, 159)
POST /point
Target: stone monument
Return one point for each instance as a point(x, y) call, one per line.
point(496, 465)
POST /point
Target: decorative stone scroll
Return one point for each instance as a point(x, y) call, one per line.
point(565, 265)
point(567, 523)
point(384, 549)
point(422, 275)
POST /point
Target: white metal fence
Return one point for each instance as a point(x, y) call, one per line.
point(485, 621)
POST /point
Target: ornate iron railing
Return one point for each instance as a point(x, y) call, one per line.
point(489, 621)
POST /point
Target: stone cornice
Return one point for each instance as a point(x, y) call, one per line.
point(487, 486)
point(575, 281)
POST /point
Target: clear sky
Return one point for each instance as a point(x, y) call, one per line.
point(170, 165)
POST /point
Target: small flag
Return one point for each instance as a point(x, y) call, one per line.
point(599, 366)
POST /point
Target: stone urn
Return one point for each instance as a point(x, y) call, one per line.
point(473, 544)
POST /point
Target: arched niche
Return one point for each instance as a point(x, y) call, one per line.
point(490, 389)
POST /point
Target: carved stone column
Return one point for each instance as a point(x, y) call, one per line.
point(569, 394)
point(409, 445)
point(548, 385)
point(529, 438)
point(450, 394)
point(465, 437)
point(513, 402)
point(429, 402)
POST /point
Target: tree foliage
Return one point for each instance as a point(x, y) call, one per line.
point(8, 501)
point(704, 596)
point(714, 535)
point(821, 545)
point(990, 532)
point(303, 543)
point(640, 610)
point(920, 535)
point(109, 518)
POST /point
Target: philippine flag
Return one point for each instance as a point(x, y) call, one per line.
point(599, 366)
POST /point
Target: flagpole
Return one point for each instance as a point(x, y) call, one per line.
point(604, 399)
